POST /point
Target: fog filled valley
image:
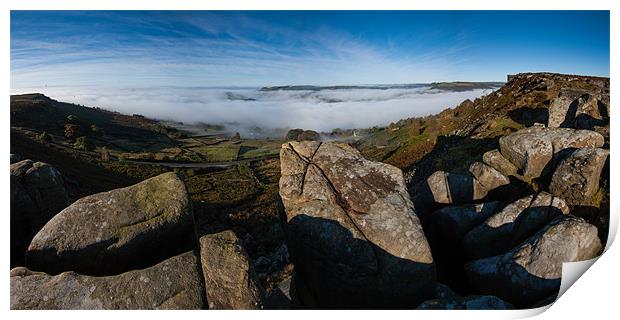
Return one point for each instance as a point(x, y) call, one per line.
point(272, 111)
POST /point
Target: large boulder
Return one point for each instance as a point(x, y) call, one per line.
point(37, 194)
point(230, 281)
point(577, 177)
point(172, 284)
point(532, 271)
point(513, 224)
point(452, 188)
point(116, 231)
point(353, 233)
point(532, 149)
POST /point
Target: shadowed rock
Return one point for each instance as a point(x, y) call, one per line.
point(353, 234)
point(230, 281)
point(446, 299)
point(116, 231)
point(37, 194)
point(513, 224)
point(452, 223)
point(532, 271)
point(172, 284)
point(577, 177)
point(530, 150)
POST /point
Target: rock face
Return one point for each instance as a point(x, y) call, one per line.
point(352, 230)
point(116, 231)
point(230, 281)
point(451, 188)
point(531, 149)
point(490, 178)
point(577, 177)
point(172, 284)
point(513, 224)
point(37, 194)
point(532, 271)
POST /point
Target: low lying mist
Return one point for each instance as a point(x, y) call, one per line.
point(253, 112)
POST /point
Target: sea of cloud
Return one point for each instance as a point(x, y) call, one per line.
point(242, 109)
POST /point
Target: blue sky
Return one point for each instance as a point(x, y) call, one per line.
point(138, 49)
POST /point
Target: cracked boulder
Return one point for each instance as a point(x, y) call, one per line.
point(532, 271)
point(230, 281)
point(577, 177)
point(513, 224)
point(352, 231)
point(115, 231)
point(172, 284)
point(532, 149)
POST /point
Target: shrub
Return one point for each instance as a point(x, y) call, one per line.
point(82, 143)
point(44, 137)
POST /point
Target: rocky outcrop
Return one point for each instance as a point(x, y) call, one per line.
point(353, 233)
point(532, 271)
point(230, 281)
point(577, 177)
point(513, 224)
point(452, 188)
point(579, 109)
point(530, 150)
point(172, 284)
point(37, 194)
point(116, 231)
point(446, 299)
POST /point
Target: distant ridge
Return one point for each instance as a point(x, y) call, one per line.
point(447, 86)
